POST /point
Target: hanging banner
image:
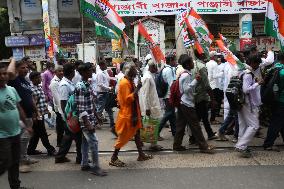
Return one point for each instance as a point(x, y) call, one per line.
point(46, 28)
point(174, 7)
point(116, 51)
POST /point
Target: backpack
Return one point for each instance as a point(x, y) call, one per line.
point(71, 114)
point(235, 94)
point(161, 85)
point(72, 118)
point(175, 95)
point(267, 91)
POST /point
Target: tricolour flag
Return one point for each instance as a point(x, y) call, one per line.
point(198, 28)
point(155, 49)
point(128, 42)
point(105, 32)
point(229, 56)
point(274, 21)
point(231, 46)
point(102, 12)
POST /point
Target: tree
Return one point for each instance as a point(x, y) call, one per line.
point(5, 52)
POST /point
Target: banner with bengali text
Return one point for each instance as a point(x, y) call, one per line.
point(173, 7)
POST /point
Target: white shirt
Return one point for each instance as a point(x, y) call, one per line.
point(218, 75)
point(77, 78)
point(102, 81)
point(66, 88)
point(169, 76)
point(94, 82)
point(54, 88)
point(148, 96)
point(211, 68)
point(187, 85)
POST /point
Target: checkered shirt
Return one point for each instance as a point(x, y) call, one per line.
point(84, 100)
point(40, 100)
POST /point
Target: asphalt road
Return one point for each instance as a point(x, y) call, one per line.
point(238, 177)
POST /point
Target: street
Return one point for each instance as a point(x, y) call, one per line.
point(167, 170)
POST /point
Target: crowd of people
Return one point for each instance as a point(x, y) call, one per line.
point(181, 92)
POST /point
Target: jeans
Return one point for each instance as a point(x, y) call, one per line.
point(187, 115)
point(10, 159)
point(231, 117)
point(39, 133)
point(59, 128)
point(102, 100)
point(202, 112)
point(66, 144)
point(276, 126)
point(89, 140)
point(170, 116)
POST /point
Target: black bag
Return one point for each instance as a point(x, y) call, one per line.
point(161, 85)
point(268, 95)
point(235, 94)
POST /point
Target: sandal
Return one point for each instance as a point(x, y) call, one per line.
point(117, 163)
point(144, 157)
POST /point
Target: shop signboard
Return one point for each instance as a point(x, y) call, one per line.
point(173, 7)
point(70, 38)
point(36, 39)
point(230, 31)
point(35, 53)
point(18, 53)
point(16, 41)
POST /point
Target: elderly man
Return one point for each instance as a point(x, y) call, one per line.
point(129, 119)
point(148, 97)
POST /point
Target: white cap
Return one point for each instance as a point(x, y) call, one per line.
point(213, 53)
point(148, 57)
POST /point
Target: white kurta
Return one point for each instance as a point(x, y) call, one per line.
point(148, 96)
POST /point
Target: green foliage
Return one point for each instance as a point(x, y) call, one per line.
point(5, 52)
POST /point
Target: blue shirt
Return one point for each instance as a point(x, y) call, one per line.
point(169, 76)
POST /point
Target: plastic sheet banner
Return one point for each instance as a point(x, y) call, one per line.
point(117, 51)
point(173, 7)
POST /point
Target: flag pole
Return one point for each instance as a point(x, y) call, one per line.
point(82, 31)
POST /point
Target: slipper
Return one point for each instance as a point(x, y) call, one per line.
point(145, 157)
point(156, 148)
point(117, 163)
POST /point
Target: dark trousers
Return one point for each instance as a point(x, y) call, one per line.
point(218, 95)
point(39, 133)
point(202, 112)
point(232, 118)
point(187, 115)
point(60, 124)
point(10, 158)
point(276, 126)
point(66, 144)
point(170, 116)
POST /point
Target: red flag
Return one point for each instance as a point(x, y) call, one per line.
point(155, 49)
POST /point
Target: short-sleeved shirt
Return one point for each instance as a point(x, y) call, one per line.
point(24, 89)
point(9, 115)
point(66, 89)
